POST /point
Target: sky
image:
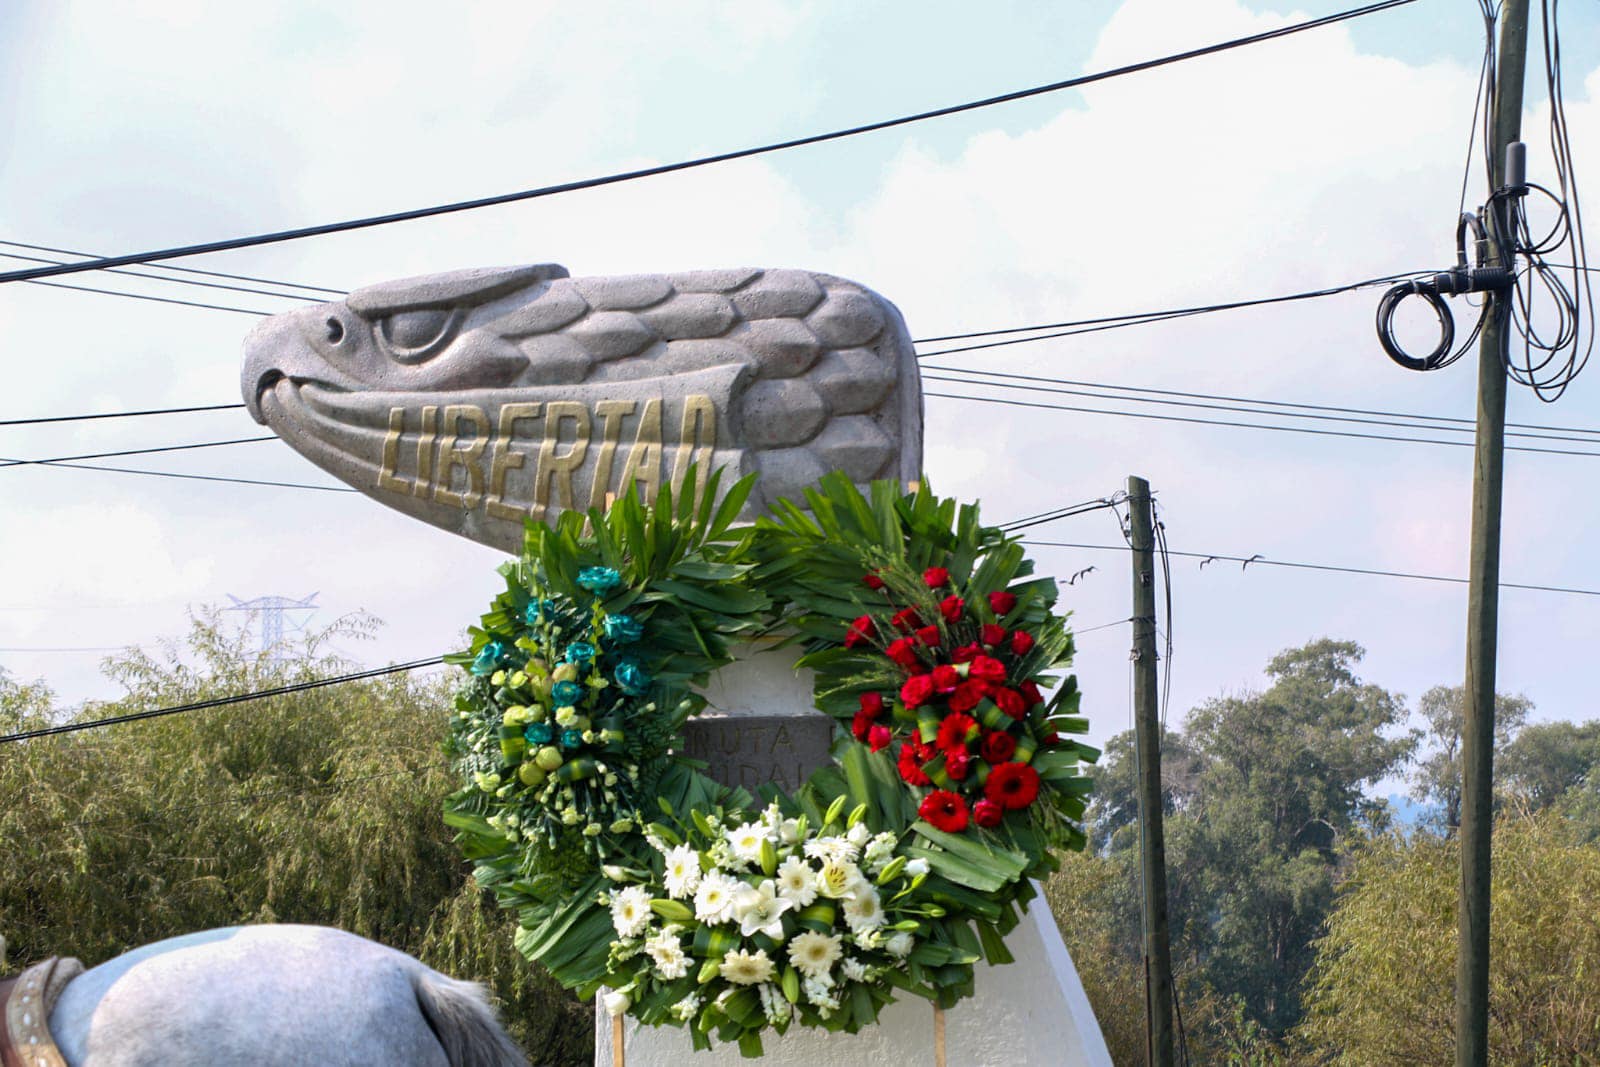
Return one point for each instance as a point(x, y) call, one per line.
point(1313, 161)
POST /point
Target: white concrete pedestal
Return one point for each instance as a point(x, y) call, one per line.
point(1030, 1013)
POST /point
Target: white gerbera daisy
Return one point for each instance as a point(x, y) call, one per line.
point(862, 910)
point(747, 968)
point(630, 911)
point(746, 841)
point(812, 953)
point(713, 900)
point(682, 874)
point(797, 882)
point(760, 908)
point(668, 955)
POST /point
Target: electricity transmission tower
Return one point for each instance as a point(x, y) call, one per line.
point(271, 612)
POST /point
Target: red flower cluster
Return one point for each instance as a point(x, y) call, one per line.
point(964, 706)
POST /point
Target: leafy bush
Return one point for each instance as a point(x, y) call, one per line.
point(315, 807)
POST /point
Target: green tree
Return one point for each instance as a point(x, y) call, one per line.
point(320, 807)
point(1261, 790)
point(1281, 792)
point(1437, 777)
point(1382, 989)
point(1547, 760)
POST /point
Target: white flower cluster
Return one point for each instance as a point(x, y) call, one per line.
point(816, 896)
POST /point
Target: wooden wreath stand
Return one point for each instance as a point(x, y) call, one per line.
point(759, 726)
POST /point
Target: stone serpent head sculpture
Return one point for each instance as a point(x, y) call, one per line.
point(475, 399)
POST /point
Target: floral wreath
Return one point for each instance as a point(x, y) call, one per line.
point(897, 867)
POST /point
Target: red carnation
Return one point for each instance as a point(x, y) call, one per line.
point(955, 731)
point(1012, 785)
point(1052, 738)
point(917, 690)
point(929, 635)
point(872, 581)
point(992, 633)
point(911, 767)
point(955, 763)
point(987, 813)
point(998, 747)
point(878, 737)
point(936, 577)
point(1031, 694)
point(905, 619)
point(945, 811)
point(946, 678)
point(988, 669)
point(860, 725)
point(1001, 602)
point(966, 653)
point(872, 705)
point(1021, 643)
point(967, 696)
point(861, 631)
point(951, 608)
point(1010, 701)
point(903, 652)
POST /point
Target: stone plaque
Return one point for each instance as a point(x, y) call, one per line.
point(477, 399)
point(752, 750)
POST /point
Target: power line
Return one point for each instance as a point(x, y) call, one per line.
point(175, 474)
point(1243, 425)
point(143, 296)
point(1096, 391)
point(53, 460)
point(217, 702)
point(1262, 561)
point(1451, 419)
point(1076, 327)
point(83, 648)
point(668, 168)
point(165, 278)
point(119, 414)
point(180, 270)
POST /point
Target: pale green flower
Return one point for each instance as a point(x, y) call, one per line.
point(743, 967)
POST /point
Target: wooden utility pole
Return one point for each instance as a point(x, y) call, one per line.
point(1483, 597)
point(1147, 737)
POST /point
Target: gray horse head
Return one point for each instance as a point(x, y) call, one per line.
point(476, 399)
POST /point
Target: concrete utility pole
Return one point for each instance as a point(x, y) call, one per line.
point(1147, 736)
point(1483, 597)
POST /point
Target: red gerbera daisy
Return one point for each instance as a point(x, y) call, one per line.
point(910, 767)
point(955, 732)
point(945, 810)
point(1012, 785)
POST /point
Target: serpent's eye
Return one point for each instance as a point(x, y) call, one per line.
point(413, 336)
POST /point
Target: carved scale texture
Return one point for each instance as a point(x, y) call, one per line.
point(824, 357)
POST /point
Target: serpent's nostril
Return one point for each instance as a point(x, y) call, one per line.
point(335, 331)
